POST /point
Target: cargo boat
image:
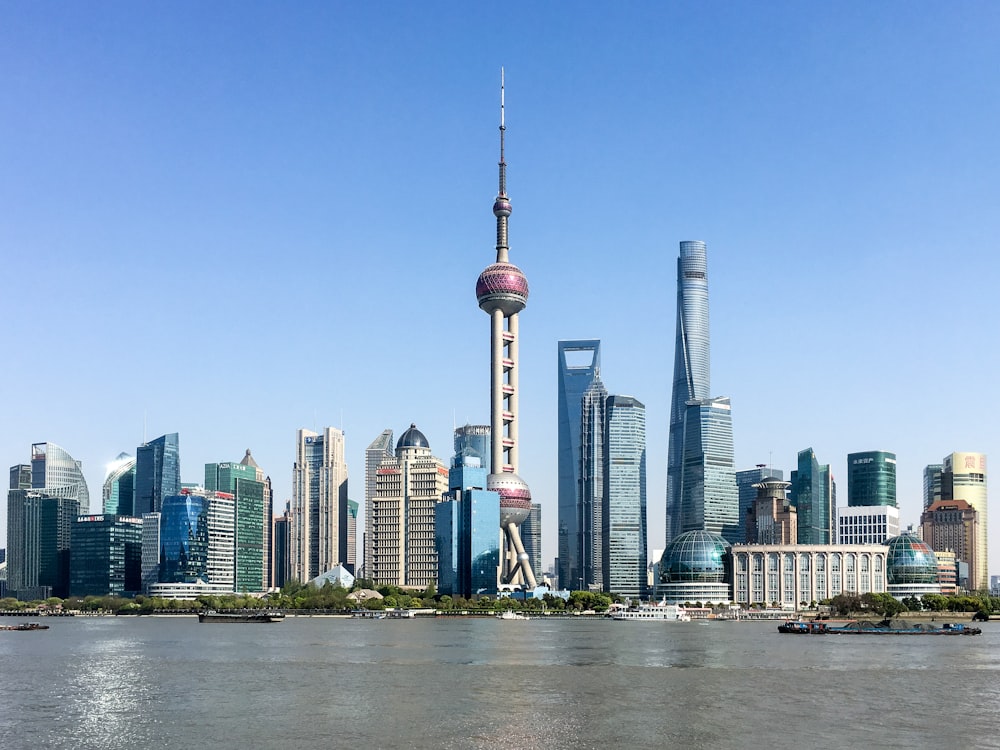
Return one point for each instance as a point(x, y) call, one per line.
point(866, 627)
point(25, 626)
point(238, 617)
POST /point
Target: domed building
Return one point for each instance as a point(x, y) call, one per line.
point(408, 486)
point(911, 567)
point(695, 567)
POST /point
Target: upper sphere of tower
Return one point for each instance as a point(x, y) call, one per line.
point(502, 287)
point(502, 207)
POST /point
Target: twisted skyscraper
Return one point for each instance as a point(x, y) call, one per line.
point(502, 291)
point(691, 366)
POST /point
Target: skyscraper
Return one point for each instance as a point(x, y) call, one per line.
point(183, 538)
point(40, 523)
point(963, 477)
point(746, 489)
point(379, 450)
point(579, 365)
point(117, 495)
point(474, 439)
point(318, 532)
point(502, 292)
point(692, 366)
point(266, 522)
point(593, 415)
point(401, 526)
point(157, 473)
point(709, 500)
point(932, 484)
point(813, 493)
point(624, 502)
point(871, 478)
point(240, 481)
point(106, 556)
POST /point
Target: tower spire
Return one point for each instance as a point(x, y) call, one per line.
point(501, 208)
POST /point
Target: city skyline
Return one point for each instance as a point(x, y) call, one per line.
point(841, 176)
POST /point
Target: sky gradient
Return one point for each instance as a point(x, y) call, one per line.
point(232, 220)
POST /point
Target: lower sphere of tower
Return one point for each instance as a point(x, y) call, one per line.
point(515, 497)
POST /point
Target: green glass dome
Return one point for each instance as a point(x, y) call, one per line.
point(695, 557)
point(910, 561)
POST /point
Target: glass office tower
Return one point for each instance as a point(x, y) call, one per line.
point(871, 478)
point(184, 539)
point(691, 368)
point(579, 364)
point(624, 515)
point(106, 557)
point(117, 495)
point(240, 480)
point(157, 473)
point(709, 500)
point(813, 494)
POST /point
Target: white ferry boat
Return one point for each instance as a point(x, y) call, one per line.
point(661, 612)
point(509, 614)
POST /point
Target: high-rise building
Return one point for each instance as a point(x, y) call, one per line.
point(20, 477)
point(963, 477)
point(591, 547)
point(220, 556)
point(692, 368)
point(352, 537)
point(708, 499)
point(401, 527)
point(624, 501)
point(932, 484)
point(772, 519)
point(474, 439)
point(118, 492)
point(241, 481)
point(40, 523)
point(531, 533)
point(579, 366)
point(157, 473)
point(106, 556)
point(379, 450)
point(279, 575)
point(268, 515)
point(502, 292)
point(746, 490)
point(150, 550)
point(814, 495)
point(466, 530)
point(952, 526)
point(871, 478)
point(318, 533)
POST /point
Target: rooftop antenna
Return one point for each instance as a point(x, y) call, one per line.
point(143, 426)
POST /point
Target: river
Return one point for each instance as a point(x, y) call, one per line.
point(127, 682)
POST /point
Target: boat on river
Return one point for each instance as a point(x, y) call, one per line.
point(886, 627)
point(661, 612)
point(211, 616)
point(25, 626)
point(509, 614)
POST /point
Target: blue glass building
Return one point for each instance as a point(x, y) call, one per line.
point(692, 365)
point(871, 478)
point(157, 473)
point(118, 493)
point(814, 495)
point(106, 556)
point(579, 365)
point(184, 539)
point(624, 512)
point(467, 540)
point(474, 439)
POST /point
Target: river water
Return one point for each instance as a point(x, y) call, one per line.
point(170, 682)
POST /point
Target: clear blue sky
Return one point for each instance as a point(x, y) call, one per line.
point(235, 220)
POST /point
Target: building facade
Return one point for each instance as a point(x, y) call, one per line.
point(814, 495)
point(252, 520)
point(692, 368)
point(183, 539)
point(381, 448)
point(871, 479)
point(952, 526)
point(867, 524)
point(318, 531)
point(772, 519)
point(106, 556)
point(401, 527)
point(797, 575)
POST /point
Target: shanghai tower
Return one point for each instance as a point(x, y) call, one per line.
point(691, 366)
point(502, 292)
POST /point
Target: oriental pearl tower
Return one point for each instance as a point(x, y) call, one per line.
point(502, 291)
